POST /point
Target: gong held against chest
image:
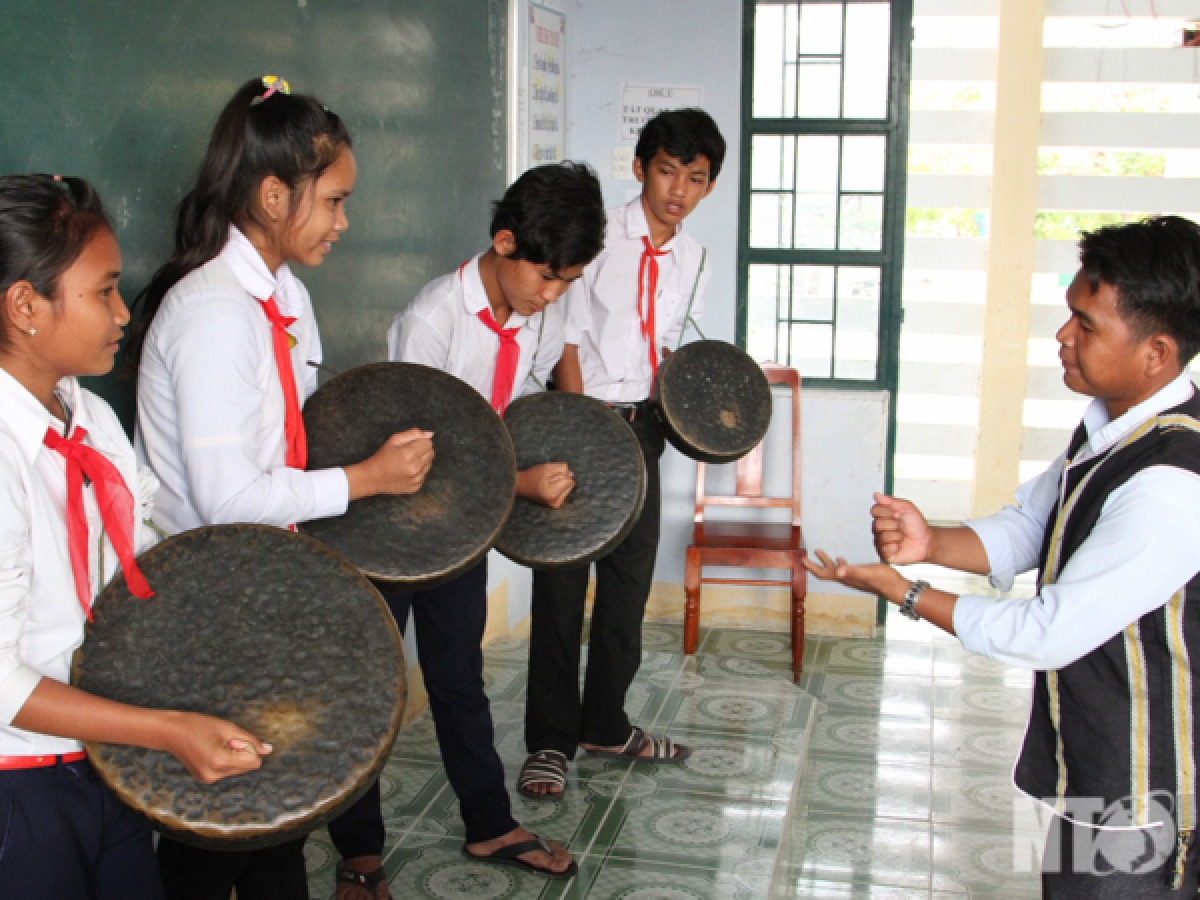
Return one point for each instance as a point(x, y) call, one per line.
point(267, 629)
point(714, 402)
point(452, 521)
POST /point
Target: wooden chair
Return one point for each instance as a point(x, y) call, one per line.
point(750, 545)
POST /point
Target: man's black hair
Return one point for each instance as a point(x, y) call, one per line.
point(1155, 267)
point(556, 214)
point(683, 134)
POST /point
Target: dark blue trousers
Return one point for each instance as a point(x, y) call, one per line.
point(65, 836)
point(450, 621)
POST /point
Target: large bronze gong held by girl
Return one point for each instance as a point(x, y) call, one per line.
point(267, 629)
point(452, 521)
point(610, 480)
point(714, 401)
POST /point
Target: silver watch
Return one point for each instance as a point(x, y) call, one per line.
point(909, 606)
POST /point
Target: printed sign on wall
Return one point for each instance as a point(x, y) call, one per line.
point(547, 85)
point(642, 102)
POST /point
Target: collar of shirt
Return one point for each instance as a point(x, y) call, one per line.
point(1103, 433)
point(27, 420)
point(254, 276)
point(636, 226)
point(475, 298)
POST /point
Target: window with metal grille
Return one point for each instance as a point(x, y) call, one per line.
point(825, 108)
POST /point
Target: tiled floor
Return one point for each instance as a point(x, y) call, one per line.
point(904, 791)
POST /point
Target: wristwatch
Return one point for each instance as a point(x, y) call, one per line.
point(909, 606)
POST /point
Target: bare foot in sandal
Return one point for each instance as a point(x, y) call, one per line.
point(543, 776)
point(362, 878)
point(557, 861)
point(642, 746)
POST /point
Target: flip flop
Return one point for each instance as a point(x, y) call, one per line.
point(507, 856)
point(544, 767)
point(368, 881)
point(663, 750)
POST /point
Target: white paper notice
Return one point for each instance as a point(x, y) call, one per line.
point(642, 102)
point(547, 85)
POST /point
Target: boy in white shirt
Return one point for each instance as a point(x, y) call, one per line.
point(494, 324)
point(623, 318)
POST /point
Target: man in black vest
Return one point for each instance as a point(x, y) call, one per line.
point(1113, 527)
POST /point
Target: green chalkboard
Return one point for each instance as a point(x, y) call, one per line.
point(125, 92)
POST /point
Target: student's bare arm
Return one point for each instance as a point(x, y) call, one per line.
point(210, 748)
point(567, 374)
point(903, 536)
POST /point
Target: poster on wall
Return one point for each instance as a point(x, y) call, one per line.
point(547, 85)
point(642, 102)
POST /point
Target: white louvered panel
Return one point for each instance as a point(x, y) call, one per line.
point(940, 501)
point(956, 8)
point(953, 64)
point(965, 254)
point(1061, 257)
point(958, 191)
point(1115, 8)
point(935, 440)
point(928, 126)
point(1127, 130)
point(1133, 65)
point(1116, 194)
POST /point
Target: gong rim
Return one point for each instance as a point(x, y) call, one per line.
point(683, 434)
point(500, 460)
point(524, 511)
point(128, 782)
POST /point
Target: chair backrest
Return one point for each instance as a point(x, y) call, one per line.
point(749, 468)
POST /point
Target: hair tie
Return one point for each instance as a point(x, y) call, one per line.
point(273, 83)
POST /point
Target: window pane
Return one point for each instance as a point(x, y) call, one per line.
point(768, 60)
point(771, 220)
point(820, 84)
point(868, 35)
point(763, 314)
point(816, 221)
point(812, 292)
point(821, 29)
point(856, 347)
point(817, 156)
point(811, 350)
point(862, 223)
point(772, 163)
point(863, 159)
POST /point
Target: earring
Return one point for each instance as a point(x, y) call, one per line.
point(32, 332)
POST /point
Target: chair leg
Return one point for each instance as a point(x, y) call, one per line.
point(799, 589)
point(691, 613)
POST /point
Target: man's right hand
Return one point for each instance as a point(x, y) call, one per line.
point(902, 536)
point(398, 467)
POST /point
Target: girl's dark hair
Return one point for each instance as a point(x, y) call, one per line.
point(1155, 267)
point(556, 214)
point(290, 136)
point(45, 222)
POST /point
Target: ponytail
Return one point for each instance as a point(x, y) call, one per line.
point(262, 131)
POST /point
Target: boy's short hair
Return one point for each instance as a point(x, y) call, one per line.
point(556, 214)
point(683, 134)
point(1155, 267)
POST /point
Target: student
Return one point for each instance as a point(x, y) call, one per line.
point(225, 339)
point(494, 324)
point(72, 501)
point(1113, 527)
point(623, 318)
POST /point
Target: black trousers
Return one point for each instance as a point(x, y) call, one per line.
point(65, 836)
point(190, 873)
point(556, 718)
point(1112, 866)
point(450, 621)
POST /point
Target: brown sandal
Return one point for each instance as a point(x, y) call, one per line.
point(663, 750)
point(544, 767)
point(368, 881)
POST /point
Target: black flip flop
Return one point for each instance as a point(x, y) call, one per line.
point(507, 856)
point(368, 881)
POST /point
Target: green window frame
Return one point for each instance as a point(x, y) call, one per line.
point(833, 267)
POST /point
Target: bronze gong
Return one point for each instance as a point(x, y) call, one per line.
point(267, 629)
point(452, 521)
point(714, 401)
point(610, 480)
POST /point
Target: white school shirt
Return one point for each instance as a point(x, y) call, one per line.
point(210, 404)
point(1144, 547)
point(441, 328)
point(602, 306)
point(41, 620)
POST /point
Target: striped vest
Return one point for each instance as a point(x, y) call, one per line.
point(1119, 723)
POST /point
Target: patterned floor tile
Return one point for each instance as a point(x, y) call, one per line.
point(987, 704)
point(734, 710)
point(901, 658)
point(861, 849)
point(993, 747)
point(746, 667)
point(978, 863)
point(424, 869)
point(320, 860)
point(602, 878)
point(760, 646)
point(835, 787)
point(792, 884)
point(883, 738)
point(966, 796)
point(951, 663)
point(908, 697)
point(664, 638)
